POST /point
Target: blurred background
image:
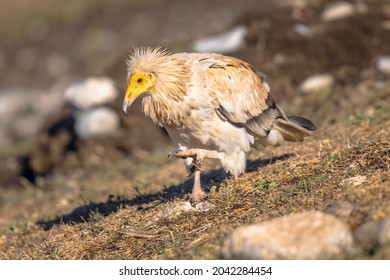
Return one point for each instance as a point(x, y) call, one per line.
point(63, 138)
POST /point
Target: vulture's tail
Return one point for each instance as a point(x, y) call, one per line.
point(294, 129)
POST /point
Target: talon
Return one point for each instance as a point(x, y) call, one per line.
point(192, 170)
point(195, 165)
point(174, 154)
point(192, 202)
point(177, 154)
point(196, 201)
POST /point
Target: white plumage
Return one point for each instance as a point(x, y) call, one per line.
point(212, 106)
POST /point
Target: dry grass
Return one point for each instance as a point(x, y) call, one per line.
point(154, 226)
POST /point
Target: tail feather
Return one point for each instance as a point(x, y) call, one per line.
point(305, 123)
point(292, 129)
point(295, 129)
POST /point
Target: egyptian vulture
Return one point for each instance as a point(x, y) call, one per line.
point(211, 105)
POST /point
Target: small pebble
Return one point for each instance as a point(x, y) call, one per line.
point(383, 64)
point(354, 181)
point(226, 42)
point(317, 83)
point(338, 11)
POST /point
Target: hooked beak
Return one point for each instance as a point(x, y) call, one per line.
point(125, 106)
point(130, 97)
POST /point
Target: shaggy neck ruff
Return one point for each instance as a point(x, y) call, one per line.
point(172, 82)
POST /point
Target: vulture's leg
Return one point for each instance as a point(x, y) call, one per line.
point(194, 166)
point(197, 193)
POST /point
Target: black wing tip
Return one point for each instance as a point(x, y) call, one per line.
point(305, 123)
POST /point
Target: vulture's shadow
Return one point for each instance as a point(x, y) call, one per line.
point(85, 212)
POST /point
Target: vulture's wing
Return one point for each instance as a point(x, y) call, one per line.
point(241, 94)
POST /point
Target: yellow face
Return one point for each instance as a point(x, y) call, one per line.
point(137, 85)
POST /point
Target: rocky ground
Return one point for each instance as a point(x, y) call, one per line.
point(81, 190)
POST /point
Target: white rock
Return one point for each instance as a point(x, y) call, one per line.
point(101, 121)
point(302, 30)
point(91, 92)
point(383, 64)
point(384, 232)
point(354, 181)
point(226, 42)
point(279, 59)
point(337, 11)
point(316, 83)
point(307, 235)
